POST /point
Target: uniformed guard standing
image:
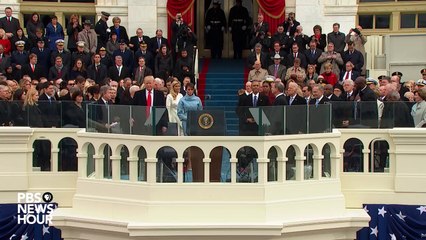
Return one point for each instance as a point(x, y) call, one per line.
point(102, 30)
point(239, 19)
point(215, 26)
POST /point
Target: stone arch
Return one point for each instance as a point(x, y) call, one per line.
point(124, 163)
point(291, 154)
point(247, 164)
point(107, 153)
point(42, 154)
point(67, 154)
point(140, 153)
point(353, 157)
point(379, 155)
point(310, 151)
point(273, 153)
point(167, 170)
point(328, 150)
point(193, 165)
point(90, 150)
point(220, 165)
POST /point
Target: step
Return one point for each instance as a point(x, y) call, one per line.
point(218, 92)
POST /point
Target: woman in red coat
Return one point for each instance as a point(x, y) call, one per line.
point(4, 41)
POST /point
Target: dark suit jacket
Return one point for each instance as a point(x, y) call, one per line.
point(98, 76)
point(154, 44)
point(113, 73)
point(53, 73)
point(298, 100)
point(49, 110)
point(250, 129)
point(5, 62)
point(313, 59)
point(286, 24)
point(301, 56)
point(123, 33)
point(128, 58)
point(147, 72)
point(323, 100)
point(252, 58)
point(66, 58)
point(39, 71)
point(159, 101)
point(9, 27)
point(280, 100)
point(135, 41)
point(356, 58)
point(43, 58)
point(354, 75)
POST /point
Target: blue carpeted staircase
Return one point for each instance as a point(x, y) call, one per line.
point(223, 80)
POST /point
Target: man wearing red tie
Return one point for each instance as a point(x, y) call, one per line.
point(9, 23)
point(349, 72)
point(34, 70)
point(149, 97)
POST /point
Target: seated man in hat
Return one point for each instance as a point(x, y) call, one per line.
point(88, 36)
point(125, 53)
point(60, 52)
point(277, 69)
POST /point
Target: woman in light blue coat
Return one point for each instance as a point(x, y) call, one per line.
point(189, 102)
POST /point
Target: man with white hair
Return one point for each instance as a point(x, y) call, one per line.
point(158, 83)
point(258, 73)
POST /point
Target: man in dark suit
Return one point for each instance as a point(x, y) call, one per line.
point(257, 54)
point(125, 54)
point(4, 60)
point(139, 37)
point(61, 52)
point(43, 55)
point(318, 95)
point(354, 56)
point(141, 71)
point(349, 72)
point(118, 71)
point(318, 122)
point(290, 25)
point(278, 90)
point(293, 98)
point(147, 55)
point(59, 70)
point(97, 71)
point(296, 54)
point(328, 93)
point(366, 112)
point(19, 58)
point(33, 69)
point(277, 50)
point(149, 97)
point(337, 38)
point(254, 99)
point(157, 41)
point(9, 24)
point(49, 107)
point(259, 26)
point(312, 54)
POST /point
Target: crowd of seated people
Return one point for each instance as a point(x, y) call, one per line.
point(40, 69)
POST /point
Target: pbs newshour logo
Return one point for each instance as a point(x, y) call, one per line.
point(35, 208)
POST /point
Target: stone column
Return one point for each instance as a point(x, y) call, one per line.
point(317, 168)
point(366, 161)
point(82, 165)
point(116, 168)
point(151, 170)
point(207, 162)
point(54, 164)
point(133, 168)
point(180, 162)
point(99, 166)
point(233, 162)
point(262, 169)
point(300, 168)
point(282, 168)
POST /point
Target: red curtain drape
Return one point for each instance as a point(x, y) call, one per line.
point(273, 12)
point(186, 7)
